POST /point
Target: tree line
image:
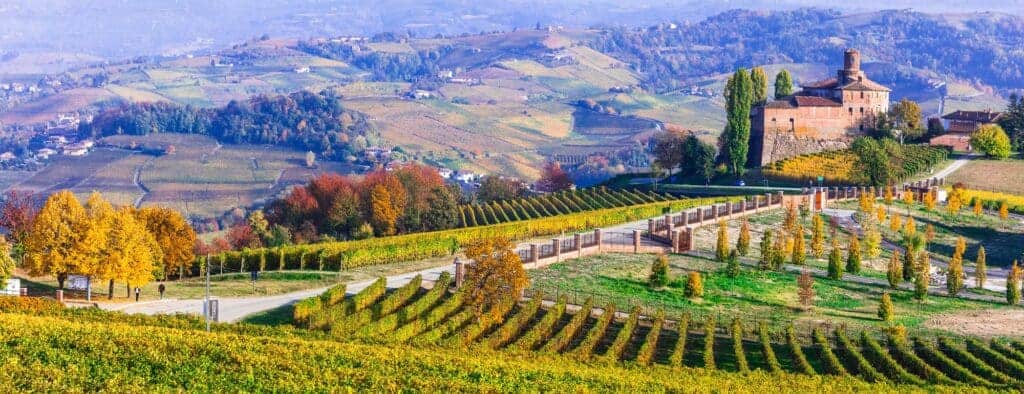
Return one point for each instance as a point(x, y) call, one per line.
point(97, 240)
point(303, 120)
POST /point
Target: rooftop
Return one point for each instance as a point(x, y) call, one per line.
point(974, 116)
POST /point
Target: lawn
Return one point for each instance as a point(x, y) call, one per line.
point(754, 296)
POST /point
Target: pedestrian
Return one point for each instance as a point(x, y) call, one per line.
point(162, 288)
point(137, 294)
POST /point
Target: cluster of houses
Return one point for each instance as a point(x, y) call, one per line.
point(960, 124)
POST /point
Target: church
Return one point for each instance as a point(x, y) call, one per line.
point(824, 115)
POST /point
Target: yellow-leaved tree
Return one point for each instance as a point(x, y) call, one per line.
point(6, 261)
point(495, 277)
point(54, 243)
point(173, 235)
point(383, 216)
point(133, 252)
point(93, 248)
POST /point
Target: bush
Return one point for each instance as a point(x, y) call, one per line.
point(694, 285)
point(885, 308)
point(659, 272)
point(732, 264)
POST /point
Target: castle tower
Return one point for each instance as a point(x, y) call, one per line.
point(851, 67)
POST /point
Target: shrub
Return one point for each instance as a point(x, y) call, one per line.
point(743, 242)
point(766, 251)
point(694, 285)
point(835, 265)
point(894, 270)
point(955, 275)
point(885, 308)
point(732, 264)
point(1013, 285)
point(828, 359)
point(980, 269)
point(818, 237)
point(805, 291)
point(646, 352)
point(722, 246)
point(853, 259)
point(800, 363)
point(799, 251)
point(679, 350)
point(659, 272)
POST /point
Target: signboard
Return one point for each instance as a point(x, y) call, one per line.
point(12, 287)
point(77, 282)
point(211, 309)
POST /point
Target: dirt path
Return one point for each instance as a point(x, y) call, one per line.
point(137, 181)
point(955, 165)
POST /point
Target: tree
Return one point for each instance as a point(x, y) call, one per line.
point(1013, 285)
point(799, 251)
point(173, 235)
point(955, 275)
point(495, 278)
point(853, 255)
point(909, 226)
point(659, 272)
point(929, 233)
point(888, 195)
point(738, 98)
point(694, 285)
point(732, 267)
point(668, 150)
point(873, 160)
point(908, 197)
point(443, 209)
point(241, 236)
point(935, 127)
point(259, 224)
point(553, 178)
point(835, 265)
point(961, 246)
point(922, 277)
point(53, 246)
point(758, 86)
point(885, 308)
point(133, 252)
point(783, 84)
point(495, 188)
point(1004, 211)
point(912, 245)
point(766, 251)
point(894, 270)
point(310, 159)
point(722, 247)
point(805, 289)
point(6, 261)
point(980, 269)
point(992, 141)
point(1012, 120)
point(17, 213)
point(743, 242)
point(818, 236)
point(781, 250)
point(383, 217)
point(929, 201)
point(697, 158)
point(905, 116)
point(977, 209)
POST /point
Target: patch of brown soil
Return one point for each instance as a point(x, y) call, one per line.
point(984, 323)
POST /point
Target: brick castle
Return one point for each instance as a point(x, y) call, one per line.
point(824, 115)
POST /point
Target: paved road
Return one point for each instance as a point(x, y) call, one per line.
point(955, 165)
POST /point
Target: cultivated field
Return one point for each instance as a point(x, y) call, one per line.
point(996, 175)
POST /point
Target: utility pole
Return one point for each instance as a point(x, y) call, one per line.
point(206, 306)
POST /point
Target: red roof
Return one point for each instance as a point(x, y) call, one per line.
point(815, 101)
point(822, 84)
point(974, 116)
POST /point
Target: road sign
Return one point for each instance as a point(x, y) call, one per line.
point(13, 287)
point(211, 310)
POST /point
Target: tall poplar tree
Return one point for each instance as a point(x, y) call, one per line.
point(783, 84)
point(738, 98)
point(759, 86)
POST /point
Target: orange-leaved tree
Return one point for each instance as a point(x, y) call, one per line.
point(173, 235)
point(133, 252)
point(495, 277)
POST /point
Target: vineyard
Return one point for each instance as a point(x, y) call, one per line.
point(411, 315)
point(333, 256)
point(843, 167)
point(553, 204)
point(48, 348)
point(993, 200)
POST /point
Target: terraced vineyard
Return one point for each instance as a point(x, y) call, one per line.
point(552, 204)
point(439, 316)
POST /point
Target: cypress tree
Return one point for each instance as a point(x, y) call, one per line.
point(835, 265)
point(783, 84)
point(955, 275)
point(885, 308)
point(694, 285)
point(853, 255)
point(738, 98)
point(722, 247)
point(1013, 285)
point(732, 267)
point(818, 237)
point(921, 285)
point(894, 272)
point(758, 86)
point(799, 252)
point(743, 243)
point(980, 273)
point(766, 251)
point(659, 272)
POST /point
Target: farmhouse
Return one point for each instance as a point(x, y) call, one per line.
point(825, 115)
point(960, 124)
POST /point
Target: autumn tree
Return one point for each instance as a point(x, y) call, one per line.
point(384, 217)
point(766, 251)
point(992, 141)
point(659, 272)
point(722, 246)
point(1013, 284)
point(888, 195)
point(929, 201)
point(259, 224)
point(783, 84)
point(173, 236)
point(853, 259)
point(799, 251)
point(980, 269)
point(818, 237)
point(6, 261)
point(495, 277)
point(885, 308)
point(955, 275)
point(17, 214)
point(805, 289)
point(743, 242)
point(95, 252)
point(496, 188)
point(923, 276)
point(977, 209)
point(732, 264)
point(133, 252)
point(694, 285)
point(929, 233)
point(835, 265)
point(1004, 211)
point(894, 270)
point(54, 243)
point(241, 236)
point(905, 115)
point(913, 244)
point(554, 178)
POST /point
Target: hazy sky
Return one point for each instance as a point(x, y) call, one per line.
point(126, 28)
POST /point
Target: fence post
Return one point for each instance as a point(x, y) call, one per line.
point(780, 197)
point(60, 295)
point(597, 239)
point(668, 225)
point(460, 272)
point(650, 226)
point(579, 246)
point(636, 241)
point(675, 241)
point(534, 254)
point(556, 246)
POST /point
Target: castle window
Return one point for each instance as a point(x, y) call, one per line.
point(851, 111)
point(861, 94)
point(773, 119)
point(861, 110)
point(861, 127)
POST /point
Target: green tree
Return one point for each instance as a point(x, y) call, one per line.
point(885, 308)
point(853, 255)
point(783, 84)
point(818, 236)
point(743, 242)
point(906, 117)
point(835, 264)
point(873, 160)
point(1012, 120)
point(980, 273)
point(659, 272)
point(766, 251)
point(738, 98)
point(1013, 285)
point(732, 266)
point(992, 141)
point(912, 245)
point(955, 274)
point(894, 270)
point(758, 86)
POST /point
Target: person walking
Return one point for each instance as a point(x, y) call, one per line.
point(137, 294)
point(162, 288)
